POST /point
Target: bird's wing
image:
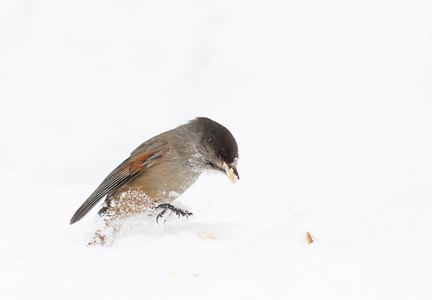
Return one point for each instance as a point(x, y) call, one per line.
point(124, 173)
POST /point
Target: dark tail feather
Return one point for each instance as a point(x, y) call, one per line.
point(85, 208)
point(124, 173)
point(110, 184)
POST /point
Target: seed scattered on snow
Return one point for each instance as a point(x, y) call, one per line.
point(309, 237)
point(206, 236)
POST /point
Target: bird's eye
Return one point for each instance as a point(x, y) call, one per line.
point(223, 152)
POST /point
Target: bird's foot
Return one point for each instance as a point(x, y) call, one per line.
point(166, 206)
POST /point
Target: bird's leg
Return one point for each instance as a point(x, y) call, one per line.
point(179, 212)
point(102, 212)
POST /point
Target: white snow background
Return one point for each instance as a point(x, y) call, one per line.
point(330, 103)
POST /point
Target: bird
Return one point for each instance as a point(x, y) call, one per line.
point(161, 169)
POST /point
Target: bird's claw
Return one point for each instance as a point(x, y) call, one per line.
point(179, 212)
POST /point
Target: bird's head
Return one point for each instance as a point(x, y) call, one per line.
point(221, 151)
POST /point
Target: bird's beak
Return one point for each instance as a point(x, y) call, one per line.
point(231, 172)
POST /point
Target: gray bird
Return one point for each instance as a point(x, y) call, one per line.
point(162, 168)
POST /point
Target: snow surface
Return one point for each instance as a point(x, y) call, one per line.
point(331, 105)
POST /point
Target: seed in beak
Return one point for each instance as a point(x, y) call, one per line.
point(231, 173)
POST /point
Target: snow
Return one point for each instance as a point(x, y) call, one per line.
point(330, 103)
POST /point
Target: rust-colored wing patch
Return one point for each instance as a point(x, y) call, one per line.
point(141, 161)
